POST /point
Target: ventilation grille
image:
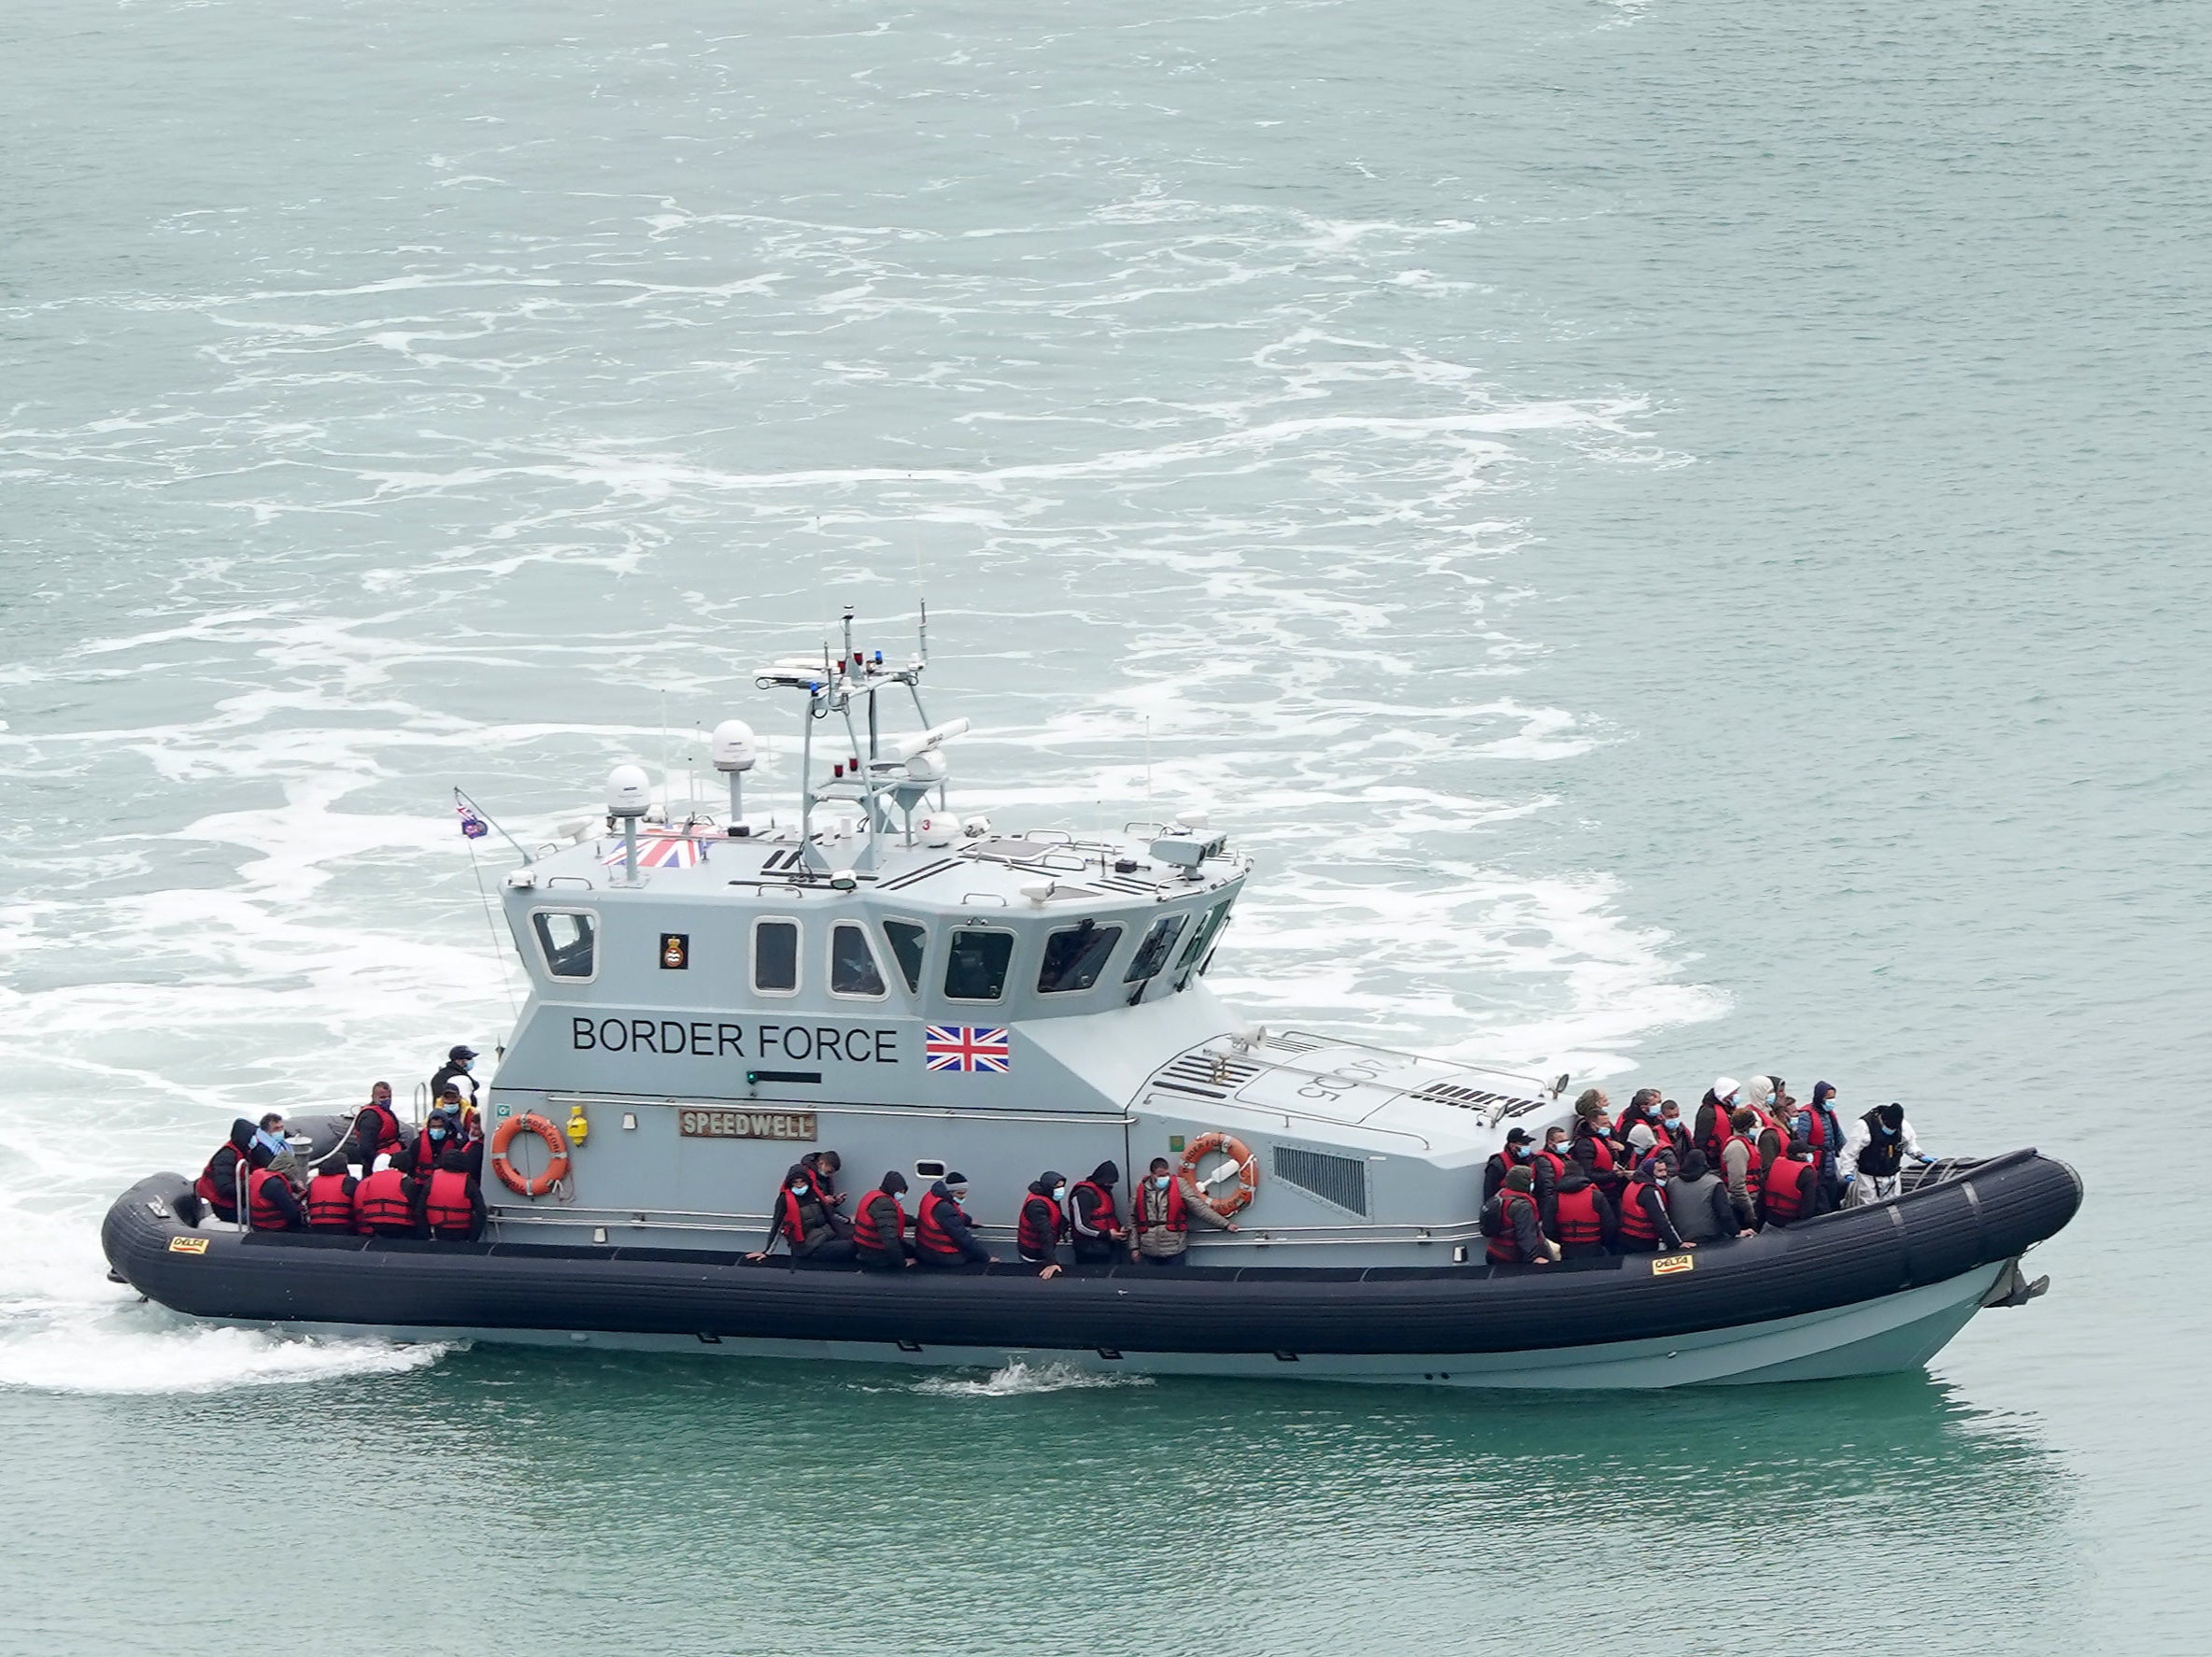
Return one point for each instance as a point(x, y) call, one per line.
point(1207, 1075)
point(1285, 1042)
point(1340, 1180)
point(1467, 1098)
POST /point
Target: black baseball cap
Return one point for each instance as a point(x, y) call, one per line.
point(1518, 1137)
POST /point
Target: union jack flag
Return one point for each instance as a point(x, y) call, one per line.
point(660, 851)
point(966, 1047)
point(471, 825)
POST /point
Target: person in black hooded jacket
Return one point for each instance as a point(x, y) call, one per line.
point(219, 1181)
point(1094, 1229)
point(1042, 1223)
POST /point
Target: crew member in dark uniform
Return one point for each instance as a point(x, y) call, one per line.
point(456, 1070)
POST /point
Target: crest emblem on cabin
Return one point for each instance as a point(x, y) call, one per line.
point(675, 951)
point(966, 1047)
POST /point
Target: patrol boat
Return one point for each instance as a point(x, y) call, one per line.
point(920, 991)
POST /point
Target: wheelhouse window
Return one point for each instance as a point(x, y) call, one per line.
point(1073, 958)
point(1152, 953)
point(568, 943)
point(975, 965)
point(852, 971)
point(1200, 939)
point(907, 940)
point(776, 958)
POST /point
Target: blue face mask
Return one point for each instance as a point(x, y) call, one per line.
point(1160, 1182)
point(437, 1133)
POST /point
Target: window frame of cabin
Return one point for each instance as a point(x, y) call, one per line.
point(1112, 932)
point(537, 930)
point(1202, 937)
point(1176, 920)
point(798, 955)
point(921, 965)
point(1006, 976)
point(876, 965)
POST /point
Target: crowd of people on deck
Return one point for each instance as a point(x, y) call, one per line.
point(1642, 1181)
point(377, 1181)
point(1645, 1181)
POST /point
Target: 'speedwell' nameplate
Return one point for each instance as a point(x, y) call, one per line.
point(745, 1124)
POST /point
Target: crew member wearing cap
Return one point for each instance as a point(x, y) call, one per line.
point(943, 1233)
point(455, 1072)
point(1502, 1163)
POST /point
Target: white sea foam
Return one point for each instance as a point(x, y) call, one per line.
point(1022, 1380)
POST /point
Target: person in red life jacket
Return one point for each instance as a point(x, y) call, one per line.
point(1515, 1153)
point(822, 1168)
point(1643, 1107)
point(799, 1218)
point(218, 1184)
point(1582, 1220)
point(330, 1199)
point(441, 1133)
point(1712, 1129)
point(1823, 1132)
point(1094, 1228)
point(1646, 1227)
point(879, 1226)
point(1041, 1224)
point(388, 1202)
point(1546, 1167)
point(452, 1202)
point(269, 1196)
point(1790, 1187)
point(943, 1236)
point(375, 1130)
point(1604, 1157)
point(1514, 1231)
point(1162, 1210)
point(1739, 1166)
point(1674, 1129)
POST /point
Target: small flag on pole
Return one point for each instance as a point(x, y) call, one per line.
point(471, 826)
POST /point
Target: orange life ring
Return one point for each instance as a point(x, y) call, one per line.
point(556, 1169)
point(1247, 1170)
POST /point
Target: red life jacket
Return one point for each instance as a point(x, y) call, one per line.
point(1601, 1154)
point(329, 1205)
point(867, 1236)
point(1041, 1226)
point(788, 1218)
point(446, 1206)
point(381, 1199)
point(1557, 1159)
point(1785, 1198)
point(1636, 1225)
point(929, 1230)
point(267, 1216)
point(219, 1185)
point(1178, 1211)
point(1575, 1218)
point(384, 1137)
point(1104, 1218)
point(1503, 1250)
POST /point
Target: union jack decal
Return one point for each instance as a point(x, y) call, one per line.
point(660, 851)
point(966, 1047)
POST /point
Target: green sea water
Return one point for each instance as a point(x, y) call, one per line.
point(1673, 532)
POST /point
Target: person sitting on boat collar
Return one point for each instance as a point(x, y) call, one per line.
point(375, 1130)
point(1546, 1167)
point(1789, 1185)
point(1510, 1222)
point(269, 1194)
point(452, 1202)
point(1162, 1210)
point(1646, 1227)
point(1092, 1224)
point(1697, 1202)
point(879, 1226)
point(219, 1182)
point(943, 1234)
point(1581, 1216)
point(1042, 1223)
point(281, 1156)
point(387, 1203)
point(804, 1222)
point(1593, 1145)
point(1514, 1155)
point(822, 1168)
point(1739, 1166)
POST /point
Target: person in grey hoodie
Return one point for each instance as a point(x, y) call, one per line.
point(1698, 1202)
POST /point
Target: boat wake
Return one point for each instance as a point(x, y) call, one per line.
point(126, 1350)
point(1019, 1380)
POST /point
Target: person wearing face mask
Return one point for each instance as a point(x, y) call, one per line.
point(221, 1180)
point(1512, 1155)
point(1715, 1117)
point(1646, 1225)
point(1874, 1152)
point(269, 1196)
point(1788, 1187)
point(1162, 1210)
point(1042, 1223)
point(879, 1226)
point(1673, 1129)
point(457, 1073)
point(1823, 1132)
point(437, 1137)
point(943, 1236)
point(1548, 1167)
point(1593, 1145)
point(1583, 1219)
point(822, 1168)
point(375, 1130)
point(1095, 1228)
point(800, 1219)
point(282, 1158)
